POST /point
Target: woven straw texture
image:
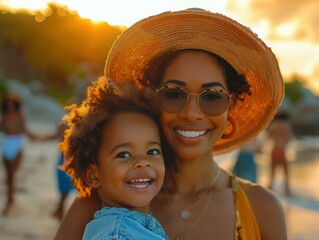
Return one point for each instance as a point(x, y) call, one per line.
point(216, 33)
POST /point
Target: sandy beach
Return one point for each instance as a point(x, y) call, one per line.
point(37, 196)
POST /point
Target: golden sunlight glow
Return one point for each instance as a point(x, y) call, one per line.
point(262, 28)
point(286, 30)
point(130, 12)
point(299, 60)
point(26, 4)
point(119, 12)
point(243, 4)
point(127, 15)
point(289, 50)
point(314, 86)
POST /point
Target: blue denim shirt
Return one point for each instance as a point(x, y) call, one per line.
point(123, 224)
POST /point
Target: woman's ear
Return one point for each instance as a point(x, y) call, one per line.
point(92, 176)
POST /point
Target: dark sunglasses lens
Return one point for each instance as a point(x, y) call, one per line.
point(214, 103)
point(171, 99)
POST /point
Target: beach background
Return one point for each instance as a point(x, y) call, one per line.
point(48, 58)
point(37, 195)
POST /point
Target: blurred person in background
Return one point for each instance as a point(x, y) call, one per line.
point(280, 133)
point(245, 165)
point(13, 124)
point(63, 180)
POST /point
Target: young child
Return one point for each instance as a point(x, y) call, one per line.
point(113, 149)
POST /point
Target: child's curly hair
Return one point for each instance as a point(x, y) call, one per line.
point(85, 123)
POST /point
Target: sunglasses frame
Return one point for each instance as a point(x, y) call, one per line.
point(188, 97)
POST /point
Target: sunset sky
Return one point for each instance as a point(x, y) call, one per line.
point(289, 27)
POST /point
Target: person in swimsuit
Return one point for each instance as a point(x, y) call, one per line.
point(280, 133)
point(245, 166)
point(63, 180)
point(217, 86)
point(14, 127)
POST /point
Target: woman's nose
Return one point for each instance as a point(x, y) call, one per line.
point(192, 111)
point(141, 162)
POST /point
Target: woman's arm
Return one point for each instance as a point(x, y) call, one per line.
point(79, 214)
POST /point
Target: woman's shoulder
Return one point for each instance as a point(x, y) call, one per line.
point(268, 209)
point(259, 194)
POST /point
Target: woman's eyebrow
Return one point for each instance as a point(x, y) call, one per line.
point(212, 84)
point(205, 85)
point(174, 81)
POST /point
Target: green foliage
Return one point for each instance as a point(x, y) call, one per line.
point(53, 46)
point(3, 86)
point(293, 89)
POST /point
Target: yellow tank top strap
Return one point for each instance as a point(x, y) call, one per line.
point(246, 224)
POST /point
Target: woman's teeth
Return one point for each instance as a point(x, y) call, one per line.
point(190, 134)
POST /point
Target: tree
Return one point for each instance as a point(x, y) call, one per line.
point(293, 89)
point(52, 46)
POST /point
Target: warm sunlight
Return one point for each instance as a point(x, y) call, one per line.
point(120, 12)
point(286, 30)
point(23, 4)
point(292, 35)
point(59, 64)
point(124, 12)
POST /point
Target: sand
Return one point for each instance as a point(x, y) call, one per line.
point(36, 195)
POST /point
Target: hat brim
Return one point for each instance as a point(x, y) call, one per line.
point(216, 33)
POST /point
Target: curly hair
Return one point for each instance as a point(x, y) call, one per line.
point(82, 139)
point(156, 68)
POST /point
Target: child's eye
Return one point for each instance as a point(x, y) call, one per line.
point(154, 152)
point(123, 155)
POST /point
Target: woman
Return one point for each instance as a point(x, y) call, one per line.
point(63, 180)
point(280, 133)
point(13, 125)
point(217, 86)
point(245, 166)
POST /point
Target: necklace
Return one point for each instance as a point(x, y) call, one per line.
point(197, 220)
point(185, 212)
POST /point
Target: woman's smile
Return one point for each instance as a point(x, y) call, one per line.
point(190, 134)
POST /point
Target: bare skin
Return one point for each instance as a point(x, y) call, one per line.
point(58, 212)
point(186, 184)
point(196, 169)
point(280, 133)
point(12, 123)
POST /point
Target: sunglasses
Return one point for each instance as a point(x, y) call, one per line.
point(212, 101)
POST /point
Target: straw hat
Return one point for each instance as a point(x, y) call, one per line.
point(216, 33)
